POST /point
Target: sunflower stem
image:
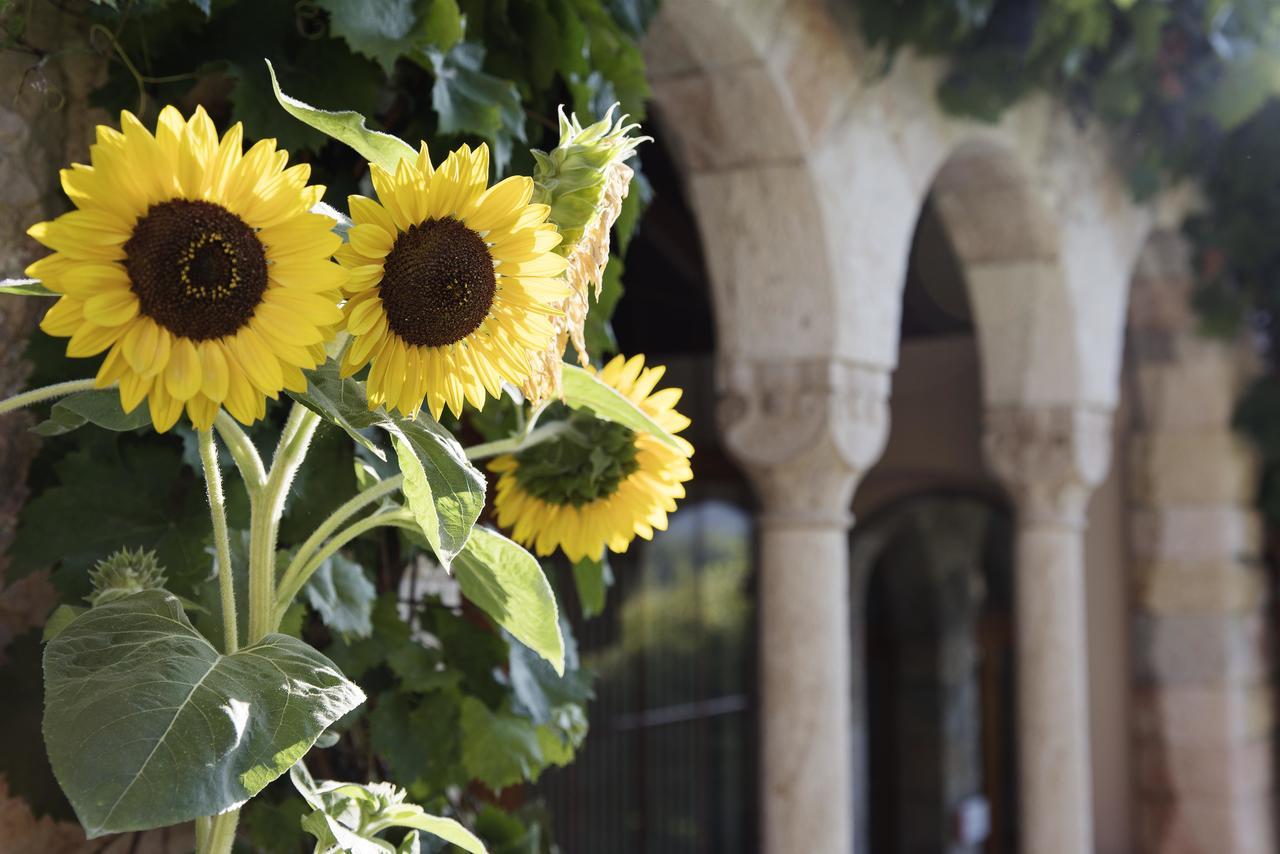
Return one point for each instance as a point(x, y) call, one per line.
point(518, 443)
point(242, 451)
point(331, 524)
point(221, 834)
point(291, 587)
point(221, 541)
point(49, 392)
point(264, 525)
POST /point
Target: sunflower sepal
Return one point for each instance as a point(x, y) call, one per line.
point(25, 288)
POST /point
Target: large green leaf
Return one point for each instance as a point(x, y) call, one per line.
point(100, 407)
point(148, 725)
point(346, 126)
point(342, 402)
point(443, 489)
point(584, 390)
point(506, 582)
point(25, 287)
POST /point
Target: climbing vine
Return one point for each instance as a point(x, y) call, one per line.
point(1189, 88)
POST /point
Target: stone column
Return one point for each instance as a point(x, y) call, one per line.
point(1050, 459)
point(805, 432)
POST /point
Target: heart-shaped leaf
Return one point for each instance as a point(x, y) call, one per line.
point(148, 725)
point(506, 582)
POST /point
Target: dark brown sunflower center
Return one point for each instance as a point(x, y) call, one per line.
point(197, 268)
point(437, 284)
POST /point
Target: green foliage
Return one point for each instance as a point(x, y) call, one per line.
point(506, 582)
point(122, 492)
point(100, 407)
point(342, 596)
point(445, 70)
point(132, 724)
point(24, 287)
point(584, 390)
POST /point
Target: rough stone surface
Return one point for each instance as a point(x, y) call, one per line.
point(1204, 728)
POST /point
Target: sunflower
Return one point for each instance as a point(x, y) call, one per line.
point(599, 484)
point(195, 265)
point(452, 284)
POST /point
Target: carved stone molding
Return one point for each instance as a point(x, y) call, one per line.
point(1050, 458)
point(805, 431)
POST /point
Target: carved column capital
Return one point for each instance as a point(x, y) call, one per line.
point(805, 431)
point(1050, 458)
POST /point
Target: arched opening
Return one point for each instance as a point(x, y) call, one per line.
point(939, 653)
point(931, 563)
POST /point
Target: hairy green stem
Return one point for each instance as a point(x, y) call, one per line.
point(221, 541)
point(331, 524)
point(289, 589)
point(49, 392)
point(267, 509)
point(242, 451)
point(222, 833)
point(518, 443)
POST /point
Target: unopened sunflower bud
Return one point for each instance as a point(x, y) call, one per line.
point(583, 180)
point(123, 574)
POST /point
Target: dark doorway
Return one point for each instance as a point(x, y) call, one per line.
point(940, 770)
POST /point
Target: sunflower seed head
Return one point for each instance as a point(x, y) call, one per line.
point(123, 574)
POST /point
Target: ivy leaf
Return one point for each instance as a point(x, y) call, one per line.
point(584, 390)
point(375, 28)
point(148, 725)
point(418, 739)
point(498, 749)
point(506, 582)
point(343, 596)
point(539, 691)
point(120, 492)
point(25, 287)
point(440, 24)
point(100, 407)
point(470, 101)
point(346, 126)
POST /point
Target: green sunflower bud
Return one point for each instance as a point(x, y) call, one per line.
point(583, 180)
point(123, 574)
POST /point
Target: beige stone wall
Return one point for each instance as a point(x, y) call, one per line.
point(1204, 716)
